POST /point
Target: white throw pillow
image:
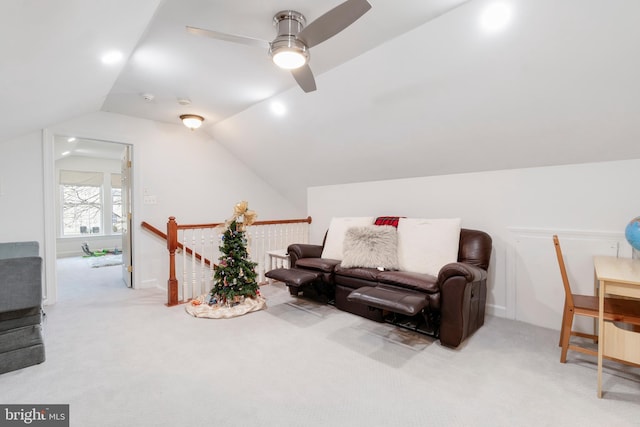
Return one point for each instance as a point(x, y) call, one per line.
point(371, 246)
point(426, 245)
point(335, 236)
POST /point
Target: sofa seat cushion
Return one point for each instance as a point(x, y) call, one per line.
point(324, 265)
point(408, 280)
point(362, 273)
point(353, 278)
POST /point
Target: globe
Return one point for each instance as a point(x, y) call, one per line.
point(632, 233)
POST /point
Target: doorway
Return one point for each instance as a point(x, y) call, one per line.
point(92, 206)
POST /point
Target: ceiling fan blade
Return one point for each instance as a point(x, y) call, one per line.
point(304, 77)
point(229, 37)
point(332, 22)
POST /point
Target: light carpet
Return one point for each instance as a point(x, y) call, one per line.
point(119, 357)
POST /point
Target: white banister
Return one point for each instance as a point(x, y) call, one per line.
point(267, 245)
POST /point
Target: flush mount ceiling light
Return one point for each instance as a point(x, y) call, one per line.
point(192, 121)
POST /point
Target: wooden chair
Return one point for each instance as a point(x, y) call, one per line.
point(615, 309)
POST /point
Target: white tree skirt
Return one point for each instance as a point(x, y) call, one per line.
point(223, 312)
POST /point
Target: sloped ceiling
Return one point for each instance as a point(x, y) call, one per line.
point(558, 85)
point(51, 67)
point(414, 88)
point(221, 78)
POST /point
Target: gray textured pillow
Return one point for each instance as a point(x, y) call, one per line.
point(371, 246)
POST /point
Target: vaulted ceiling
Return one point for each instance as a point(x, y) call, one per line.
point(50, 67)
point(413, 88)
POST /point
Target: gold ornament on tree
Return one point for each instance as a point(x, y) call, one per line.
point(242, 210)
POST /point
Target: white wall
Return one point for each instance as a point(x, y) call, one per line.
point(192, 177)
point(21, 209)
point(520, 209)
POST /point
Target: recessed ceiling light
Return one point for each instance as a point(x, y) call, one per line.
point(73, 138)
point(112, 57)
point(64, 153)
point(495, 17)
point(278, 108)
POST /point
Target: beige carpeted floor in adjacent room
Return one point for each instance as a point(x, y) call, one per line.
point(119, 357)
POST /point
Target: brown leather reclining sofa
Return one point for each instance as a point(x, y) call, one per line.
point(450, 306)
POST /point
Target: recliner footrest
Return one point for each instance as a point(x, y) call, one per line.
point(292, 276)
point(396, 300)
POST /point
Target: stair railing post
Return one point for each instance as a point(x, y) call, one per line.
point(172, 245)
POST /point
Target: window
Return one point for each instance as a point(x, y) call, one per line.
point(116, 203)
point(89, 204)
point(82, 210)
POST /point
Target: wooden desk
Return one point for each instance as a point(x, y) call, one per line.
point(620, 277)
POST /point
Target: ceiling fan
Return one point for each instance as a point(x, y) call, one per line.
point(290, 48)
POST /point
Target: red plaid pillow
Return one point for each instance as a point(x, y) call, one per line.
point(388, 220)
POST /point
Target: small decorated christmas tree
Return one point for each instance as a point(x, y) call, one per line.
point(235, 274)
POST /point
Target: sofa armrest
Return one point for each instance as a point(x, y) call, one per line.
point(463, 295)
point(20, 283)
point(471, 273)
point(302, 250)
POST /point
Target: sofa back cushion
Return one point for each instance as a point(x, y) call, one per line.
point(426, 245)
point(334, 241)
point(475, 248)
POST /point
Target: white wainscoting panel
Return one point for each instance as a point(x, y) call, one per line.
point(535, 290)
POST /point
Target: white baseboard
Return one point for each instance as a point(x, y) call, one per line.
point(69, 254)
point(496, 310)
point(149, 283)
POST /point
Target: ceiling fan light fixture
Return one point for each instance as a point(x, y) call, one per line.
point(289, 53)
point(290, 49)
point(286, 50)
point(289, 59)
point(192, 121)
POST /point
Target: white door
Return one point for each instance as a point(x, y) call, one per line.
point(127, 260)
